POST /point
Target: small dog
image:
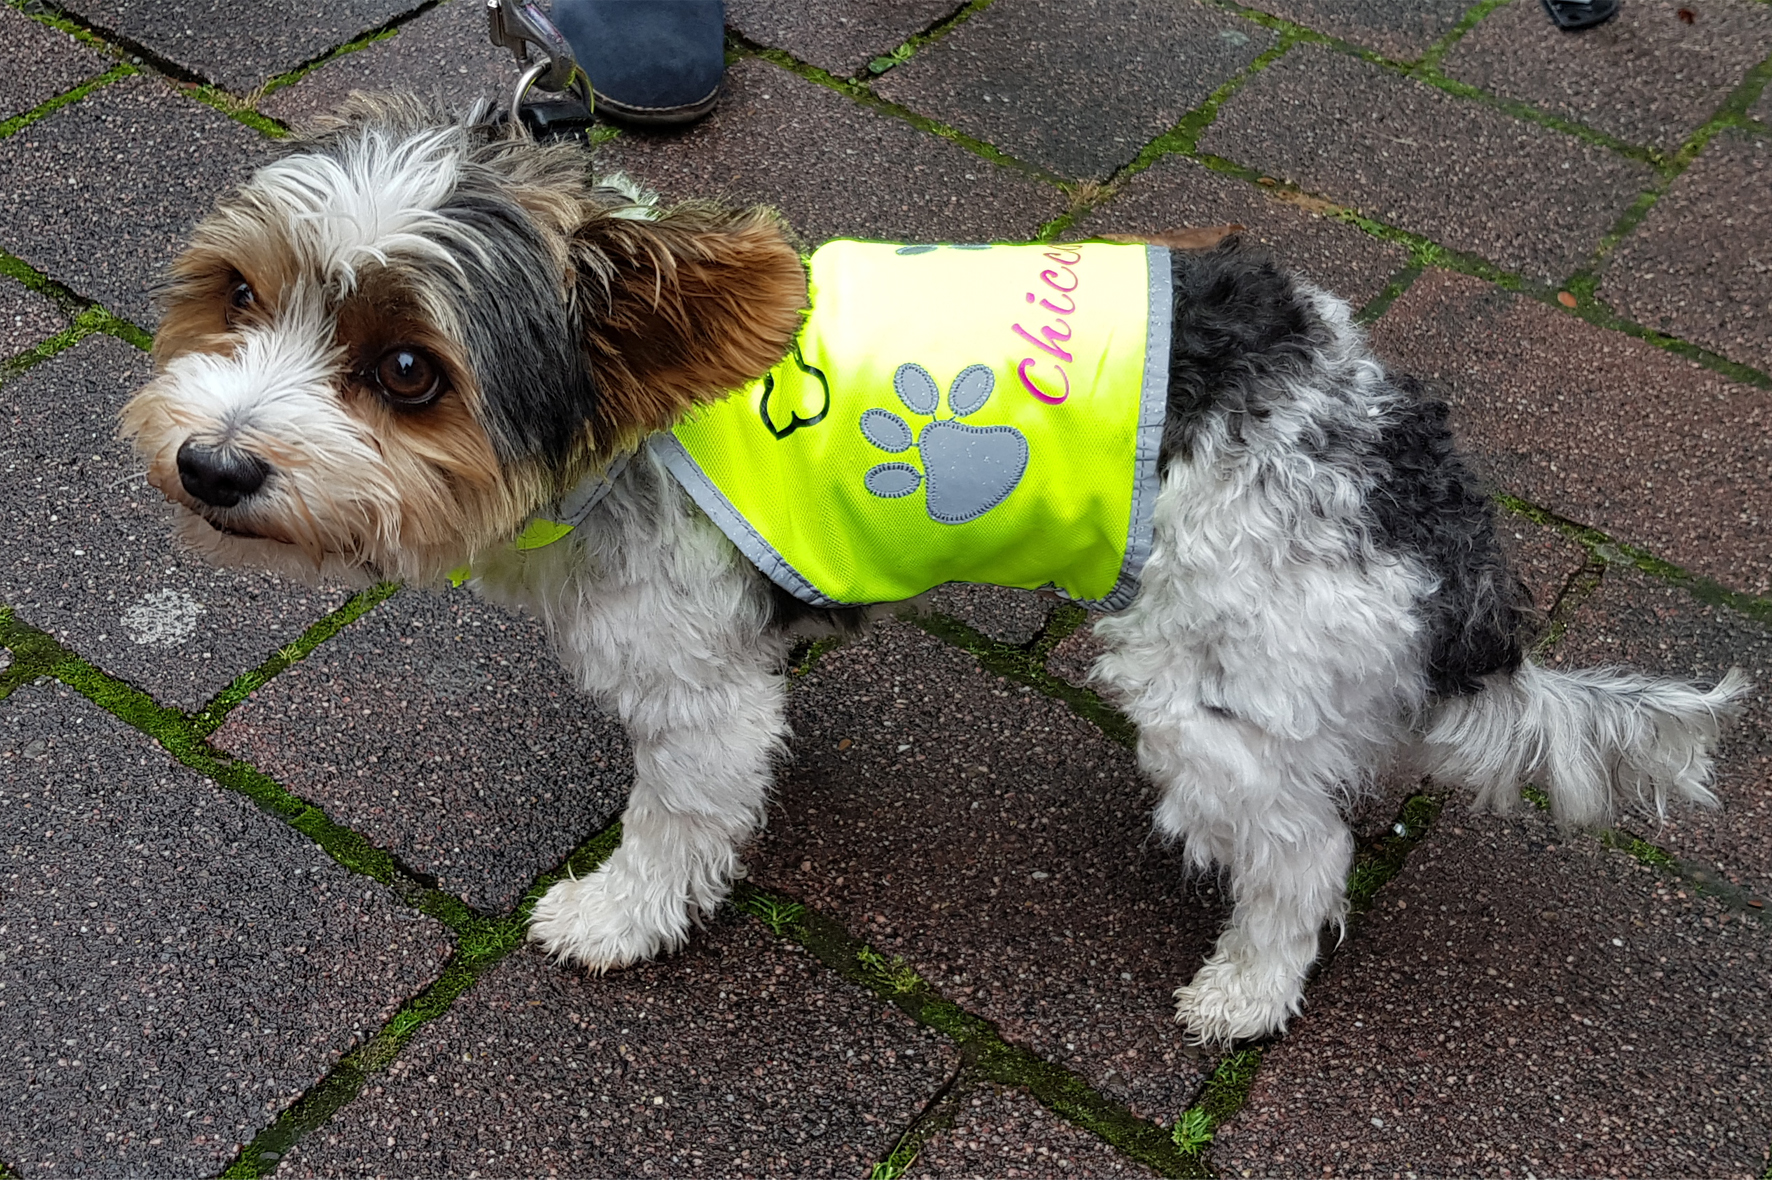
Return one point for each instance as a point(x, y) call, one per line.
point(402, 344)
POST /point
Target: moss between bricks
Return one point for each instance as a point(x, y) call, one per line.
point(995, 1059)
point(480, 945)
point(1223, 1096)
point(1732, 113)
point(1027, 666)
point(868, 98)
point(42, 110)
point(1608, 551)
point(291, 77)
point(1472, 17)
point(938, 1115)
point(36, 654)
point(43, 15)
point(206, 720)
point(88, 318)
point(1381, 857)
point(911, 45)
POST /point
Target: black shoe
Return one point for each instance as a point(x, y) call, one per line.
point(652, 63)
point(1571, 15)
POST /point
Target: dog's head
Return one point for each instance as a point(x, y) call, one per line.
point(398, 341)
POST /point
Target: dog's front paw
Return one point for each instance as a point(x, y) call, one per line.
point(1228, 1001)
point(595, 923)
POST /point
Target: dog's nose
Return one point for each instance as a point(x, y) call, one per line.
point(217, 476)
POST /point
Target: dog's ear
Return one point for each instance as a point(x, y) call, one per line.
point(682, 309)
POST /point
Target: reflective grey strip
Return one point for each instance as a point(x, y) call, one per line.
point(1153, 408)
point(588, 493)
point(670, 452)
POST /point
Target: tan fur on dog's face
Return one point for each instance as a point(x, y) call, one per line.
point(564, 323)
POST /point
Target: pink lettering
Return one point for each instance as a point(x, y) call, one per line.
point(1049, 344)
point(1021, 371)
point(1051, 337)
point(1047, 275)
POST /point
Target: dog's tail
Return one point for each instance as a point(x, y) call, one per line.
point(1592, 740)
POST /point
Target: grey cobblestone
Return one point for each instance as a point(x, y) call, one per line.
point(26, 319)
point(1103, 77)
point(929, 189)
point(1400, 29)
point(443, 54)
point(1409, 154)
point(445, 730)
point(1521, 1000)
point(1690, 270)
point(240, 44)
point(38, 62)
point(841, 36)
point(1176, 192)
point(175, 965)
point(1649, 76)
point(739, 1057)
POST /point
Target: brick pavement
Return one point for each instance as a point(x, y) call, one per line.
point(270, 848)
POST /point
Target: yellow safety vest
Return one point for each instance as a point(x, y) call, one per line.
point(948, 414)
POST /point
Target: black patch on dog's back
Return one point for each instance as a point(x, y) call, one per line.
point(1239, 326)
point(1242, 333)
point(1427, 504)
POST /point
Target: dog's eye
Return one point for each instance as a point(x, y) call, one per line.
point(409, 377)
point(240, 299)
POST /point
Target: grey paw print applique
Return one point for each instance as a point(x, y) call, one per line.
point(968, 470)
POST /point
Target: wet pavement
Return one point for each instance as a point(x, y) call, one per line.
point(269, 847)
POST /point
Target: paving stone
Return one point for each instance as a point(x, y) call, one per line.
point(1700, 265)
point(1414, 156)
point(1644, 623)
point(1520, 1001)
point(443, 729)
point(26, 318)
point(1003, 847)
point(95, 564)
point(741, 1056)
point(1400, 29)
point(841, 36)
point(135, 146)
point(1006, 1132)
point(1004, 614)
point(1600, 427)
point(444, 54)
point(176, 965)
point(1076, 86)
point(834, 167)
point(1176, 192)
point(1646, 76)
point(240, 44)
point(38, 62)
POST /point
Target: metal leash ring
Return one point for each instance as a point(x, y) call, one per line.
point(518, 24)
point(578, 83)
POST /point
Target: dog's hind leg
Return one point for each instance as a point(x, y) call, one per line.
point(1260, 809)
